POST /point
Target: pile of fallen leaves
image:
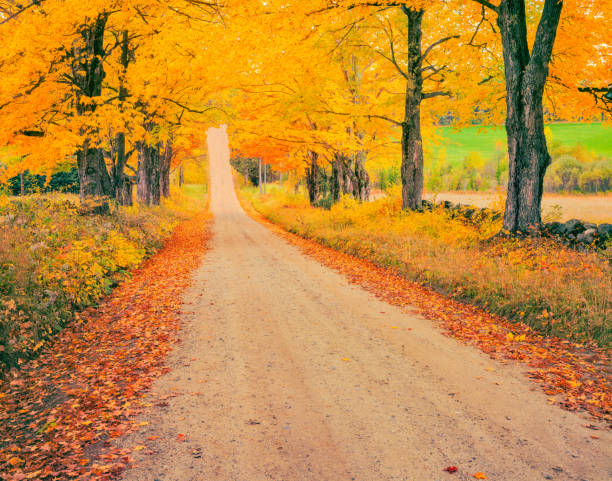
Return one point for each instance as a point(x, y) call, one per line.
point(576, 376)
point(59, 413)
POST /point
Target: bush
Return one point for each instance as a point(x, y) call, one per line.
point(63, 181)
point(54, 262)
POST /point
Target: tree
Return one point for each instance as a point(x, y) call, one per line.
point(526, 73)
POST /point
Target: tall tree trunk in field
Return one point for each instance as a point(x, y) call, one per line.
point(181, 175)
point(259, 178)
point(412, 142)
point(148, 174)
point(88, 74)
point(526, 75)
point(164, 171)
point(312, 177)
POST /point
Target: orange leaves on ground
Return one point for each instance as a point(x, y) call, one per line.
point(574, 372)
point(59, 412)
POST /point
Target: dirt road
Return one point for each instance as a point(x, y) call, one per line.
point(286, 372)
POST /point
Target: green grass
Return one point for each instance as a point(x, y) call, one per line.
point(459, 143)
point(195, 191)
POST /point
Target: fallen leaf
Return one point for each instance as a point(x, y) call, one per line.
point(480, 476)
point(451, 469)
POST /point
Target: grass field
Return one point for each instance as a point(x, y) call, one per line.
point(459, 143)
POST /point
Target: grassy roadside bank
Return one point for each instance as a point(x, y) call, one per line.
point(554, 290)
point(55, 262)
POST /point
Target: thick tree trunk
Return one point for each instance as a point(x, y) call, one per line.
point(312, 177)
point(363, 178)
point(525, 81)
point(412, 143)
point(350, 177)
point(259, 178)
point(148, 174)
point(93, 175)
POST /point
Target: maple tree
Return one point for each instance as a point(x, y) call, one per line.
point(100, 88)
point(119, 82)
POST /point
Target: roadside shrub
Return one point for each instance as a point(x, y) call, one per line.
point(55, 262)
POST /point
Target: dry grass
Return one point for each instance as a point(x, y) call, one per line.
point(555, 207)
point(553, 289)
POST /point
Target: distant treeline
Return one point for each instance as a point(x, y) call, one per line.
point(573, 169)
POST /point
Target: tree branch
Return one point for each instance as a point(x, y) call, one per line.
point(430, 95)
point(435, 44)
point(487, 4)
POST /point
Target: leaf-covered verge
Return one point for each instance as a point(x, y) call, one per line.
point(55, 262)
point(59, 413)
point(386, 251)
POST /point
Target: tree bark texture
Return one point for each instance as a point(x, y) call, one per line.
point(412, 142)
point(93, 174)
point(148, 190)
point(526, 75)
point(350, 177)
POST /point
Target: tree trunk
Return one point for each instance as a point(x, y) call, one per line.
point(93, 176)
point(148, 174)
point(265, 169)
point(363, 178)
point(259, 179)
point(526, 74)
point(181, 175)
point(164, 172)
point(88, 72)
point(122, 185)
point(412, 143)
point(350, 177)
point(312, 177)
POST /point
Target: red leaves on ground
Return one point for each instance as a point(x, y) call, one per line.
point(577, 374)
point(58, 413)
point(450, 469)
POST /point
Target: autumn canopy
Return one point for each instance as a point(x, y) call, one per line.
point(125, 89)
